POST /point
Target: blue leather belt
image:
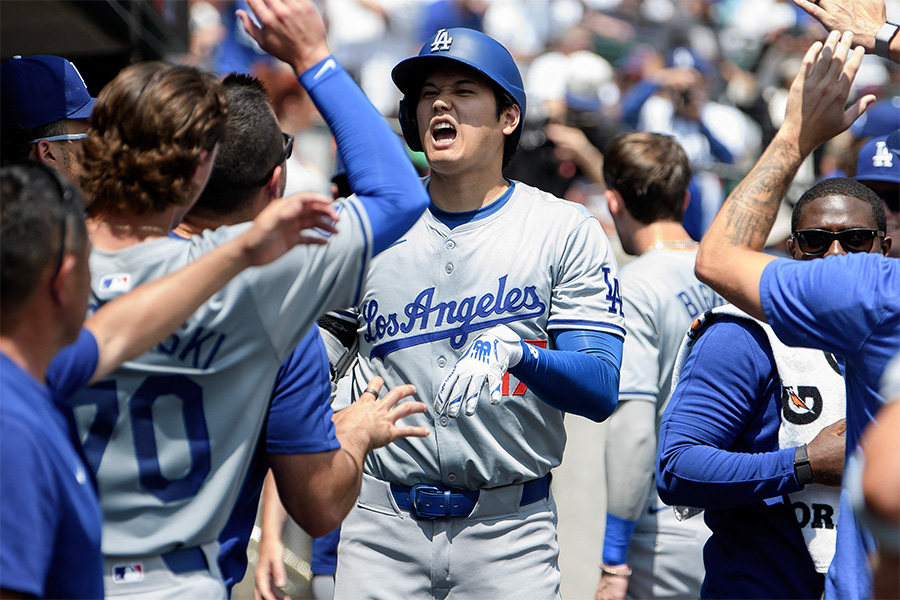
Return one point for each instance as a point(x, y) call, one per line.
point(186, 559)
point(426, 501)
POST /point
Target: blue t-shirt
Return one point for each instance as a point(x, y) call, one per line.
point(849, 306)
point(298, 422)
point(49, 513)
point(718, 450)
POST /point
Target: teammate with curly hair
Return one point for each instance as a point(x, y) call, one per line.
point(172, 433)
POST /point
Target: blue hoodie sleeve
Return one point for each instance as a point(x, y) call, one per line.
point(718, 440)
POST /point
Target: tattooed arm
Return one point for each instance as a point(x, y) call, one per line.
point(730, 258)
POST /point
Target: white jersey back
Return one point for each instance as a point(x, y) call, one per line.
point(171, 433)
point(537, 263)
point(662, 297)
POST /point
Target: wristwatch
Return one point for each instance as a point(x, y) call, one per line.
point(883, 39)
point(802, 468)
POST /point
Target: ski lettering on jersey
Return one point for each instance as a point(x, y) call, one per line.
point(196, 346)
point(473, 314)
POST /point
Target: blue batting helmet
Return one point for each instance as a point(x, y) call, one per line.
point(464, 46)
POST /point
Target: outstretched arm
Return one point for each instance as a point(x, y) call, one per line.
point(319, 489)
point(377, 166)
point(730, 259)
point(133, 323)
point(864, 18)
point(270, 574)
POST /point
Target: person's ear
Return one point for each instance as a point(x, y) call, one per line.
point(886, 244)
point(791, 247)
point(273, 186)
point(61, 285)
point(614, 201)
point(45, 152)
point(511, 117)
point(687, 200)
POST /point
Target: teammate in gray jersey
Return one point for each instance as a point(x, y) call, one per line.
point(500, 284)
point(647, 553)
point(171, 434)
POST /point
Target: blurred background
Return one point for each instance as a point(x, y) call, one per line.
point(713, 73)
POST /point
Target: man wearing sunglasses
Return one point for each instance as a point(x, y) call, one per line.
point(45, 110)
point(751, 423)
point(846, 305)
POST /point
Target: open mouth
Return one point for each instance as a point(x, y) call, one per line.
point(443, 133)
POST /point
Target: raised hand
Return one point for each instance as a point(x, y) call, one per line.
point(372, 423)
point(290, 30)
point(484, 361)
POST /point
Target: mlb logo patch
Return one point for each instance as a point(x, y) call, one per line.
point(119, 282)
point(131, 573)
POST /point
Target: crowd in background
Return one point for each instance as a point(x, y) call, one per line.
point(714, 73)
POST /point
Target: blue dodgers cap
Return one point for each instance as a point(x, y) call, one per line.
point(879, 159)
point(879, 119)
point(38, 90)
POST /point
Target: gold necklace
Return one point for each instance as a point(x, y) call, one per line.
point(134, 228)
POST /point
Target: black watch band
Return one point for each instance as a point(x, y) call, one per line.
point(883, 39)
point(802, 468)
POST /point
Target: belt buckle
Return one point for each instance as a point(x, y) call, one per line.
point(414, 501)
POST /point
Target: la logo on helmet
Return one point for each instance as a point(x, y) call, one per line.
point(442, 41)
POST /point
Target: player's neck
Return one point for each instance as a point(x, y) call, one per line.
point(116, 231)
point(464, 194)
point(663, 235)
point(29, 344)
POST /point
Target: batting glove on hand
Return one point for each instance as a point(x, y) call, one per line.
point(486, 359)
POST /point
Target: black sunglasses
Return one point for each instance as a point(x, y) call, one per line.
point(285, 154)
point(816, 242)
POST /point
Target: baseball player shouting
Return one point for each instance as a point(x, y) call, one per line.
point(501, 305)
point(171, 434)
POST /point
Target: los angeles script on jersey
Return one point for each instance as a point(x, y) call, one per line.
point(472, 314)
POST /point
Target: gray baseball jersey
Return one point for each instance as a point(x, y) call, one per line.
point(535, 263)
point(662, 297)
point(171, 433)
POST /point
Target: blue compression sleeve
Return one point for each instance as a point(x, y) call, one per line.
point(581, 376)
point(378, 168)
point(617, 539)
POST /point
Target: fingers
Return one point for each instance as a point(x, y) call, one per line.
point(395, 395)
point(839, 427)
point(250, 27)
point(402, 432)
point(373, 388)
point(473, 390)
point(447, 388)
point(495, 384)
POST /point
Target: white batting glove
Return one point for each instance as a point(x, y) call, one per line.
point(486, 359)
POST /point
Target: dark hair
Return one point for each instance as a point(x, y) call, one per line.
point(652, 173)
point(251, 145)
point(15, 142)
point(36, 206)
point(841, 186)
point(149, 128)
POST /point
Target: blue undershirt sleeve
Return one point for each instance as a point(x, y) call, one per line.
point(617, 539)
point(581, 376)
point(378, 169)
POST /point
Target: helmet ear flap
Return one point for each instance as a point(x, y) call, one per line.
point(409, 125)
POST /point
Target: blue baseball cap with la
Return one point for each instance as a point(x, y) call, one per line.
point(879, 159)
point(38, 90)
